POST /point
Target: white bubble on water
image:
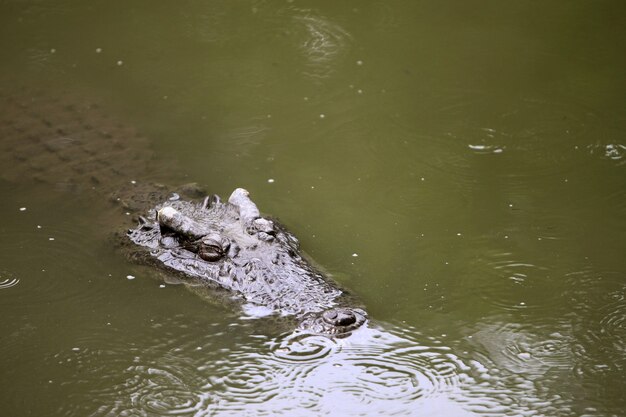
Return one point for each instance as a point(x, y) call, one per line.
point(130, 277)
point(98, 50)
point(120, 63)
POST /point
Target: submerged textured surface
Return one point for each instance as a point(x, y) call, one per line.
point(66, 141)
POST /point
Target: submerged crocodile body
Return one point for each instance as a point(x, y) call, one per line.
point(227, 245)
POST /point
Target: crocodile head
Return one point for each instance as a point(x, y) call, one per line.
point(230, 245)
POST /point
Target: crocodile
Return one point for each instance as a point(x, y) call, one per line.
point(231, 246)
point(227, 245)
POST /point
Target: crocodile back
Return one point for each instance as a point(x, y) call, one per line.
point(66, 141)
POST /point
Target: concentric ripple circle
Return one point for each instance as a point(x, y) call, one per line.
point(7, 280)
point(303, 347)
point(506, 280)
point(371, 372)
point(163, 392)
point(599, 299)
point(124, 370)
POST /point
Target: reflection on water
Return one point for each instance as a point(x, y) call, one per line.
point(375, 371)
point(391, 371)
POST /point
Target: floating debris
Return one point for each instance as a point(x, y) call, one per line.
point(485, 149)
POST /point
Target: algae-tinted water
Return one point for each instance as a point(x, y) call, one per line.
point(458, 165)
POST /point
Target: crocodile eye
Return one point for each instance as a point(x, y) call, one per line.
point(213, 247)
point(210, 254)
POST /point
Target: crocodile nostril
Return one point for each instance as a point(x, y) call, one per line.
point(347, 319)
point(342, 317)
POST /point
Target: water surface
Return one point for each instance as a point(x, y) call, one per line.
point(458, 165)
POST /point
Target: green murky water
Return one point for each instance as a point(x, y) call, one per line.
point(458, 165)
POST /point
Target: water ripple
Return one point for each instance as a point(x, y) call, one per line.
point(512, 284)
point(466, 141)
point(158, 374)
point(521, 349)
point(598, 300)
point(613, 322)
point(518, 367)
point(324, 44)
point(172, 368)
point(302, 347)
point(163, 392)
point(611, 151)
point(52, 254)
point(370, 372)
point(7, 280)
